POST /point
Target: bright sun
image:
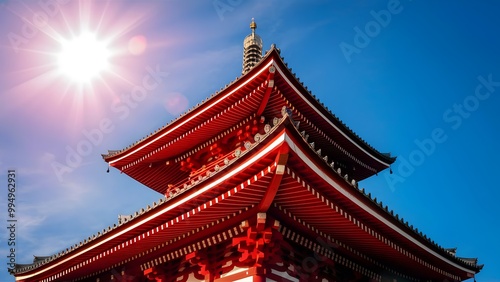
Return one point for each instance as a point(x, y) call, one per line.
point(83, 58)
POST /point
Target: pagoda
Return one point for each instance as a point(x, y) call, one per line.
point(259, 182)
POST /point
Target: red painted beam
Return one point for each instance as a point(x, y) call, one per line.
point(267, 94)
point(281, 160)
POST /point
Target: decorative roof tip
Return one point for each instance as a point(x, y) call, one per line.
point(253, 25)
point(452, 251)
point(37, 259)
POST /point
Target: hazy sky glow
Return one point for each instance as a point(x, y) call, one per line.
point(418, 79)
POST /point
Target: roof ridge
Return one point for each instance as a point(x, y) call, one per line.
point(336, 118)
point(112, 153)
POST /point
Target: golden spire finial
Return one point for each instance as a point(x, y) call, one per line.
point(253, 25)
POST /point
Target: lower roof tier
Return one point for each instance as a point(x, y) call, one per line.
point(279, 175)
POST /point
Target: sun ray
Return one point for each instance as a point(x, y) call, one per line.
point(101, 18)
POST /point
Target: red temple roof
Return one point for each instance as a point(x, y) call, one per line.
point(154, 160)
point(261, 147)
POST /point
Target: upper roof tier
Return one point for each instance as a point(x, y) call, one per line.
point(261, 93)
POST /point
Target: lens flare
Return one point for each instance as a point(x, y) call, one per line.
point(176, 103)
point(137, 45)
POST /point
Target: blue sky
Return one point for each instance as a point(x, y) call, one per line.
point(419, 79)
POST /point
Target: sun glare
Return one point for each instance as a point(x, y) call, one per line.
point(83, 58)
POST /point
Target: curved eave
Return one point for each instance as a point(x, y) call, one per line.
point(158, 163)
point(302, 101)
point(230, 193)
point(377, 230)
point(329, 118)
point(190, 121)
point(145, 161)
